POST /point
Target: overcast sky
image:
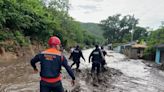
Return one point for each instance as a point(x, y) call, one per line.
point(149, 12)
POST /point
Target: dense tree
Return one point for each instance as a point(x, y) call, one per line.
point(140, 33)
point(59, 5)
point(39, 19)
point(117, 27)
point(156, 37)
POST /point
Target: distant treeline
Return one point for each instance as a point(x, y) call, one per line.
point(124, 29)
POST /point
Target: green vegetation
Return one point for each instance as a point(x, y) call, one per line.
point(154, 38)
point(94, 30)
point(37, 21)
point(123, 29)
point(118, 29)
point(26, 21)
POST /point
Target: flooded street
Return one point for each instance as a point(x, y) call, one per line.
point(123, 75)
point(137, 77)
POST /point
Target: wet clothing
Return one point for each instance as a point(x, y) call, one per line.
point(104, 52)
point(51, 87)
point(96, 56)
point(96, 66)
point(76, 55)
point(77, 64)
point(51, 61)
point(103, 60)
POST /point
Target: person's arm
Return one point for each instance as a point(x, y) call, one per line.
point(71, 56)
point(90, 56)
point(68, 68)
point(108, 54)
point(82, 55)
point(34, 61)
point(101, 55)
point(105, 53)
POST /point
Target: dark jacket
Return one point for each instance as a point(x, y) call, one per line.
point(51, 61)
point(104, 52)
point(96, 55)
point(76, 54)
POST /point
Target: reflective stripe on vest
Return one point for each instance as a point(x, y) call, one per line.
point(52, 80)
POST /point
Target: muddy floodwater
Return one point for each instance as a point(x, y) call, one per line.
point(122, 75)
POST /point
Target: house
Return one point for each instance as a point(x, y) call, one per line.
point(159, 58)
point(121, 48)
point(134, 51)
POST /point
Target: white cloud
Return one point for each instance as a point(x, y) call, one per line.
point(150, 12)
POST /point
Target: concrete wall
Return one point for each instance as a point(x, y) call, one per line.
point(159, 56)
point(162, 57)
point(133, 53)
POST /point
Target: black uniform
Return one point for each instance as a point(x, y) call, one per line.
point(96, 60)
point(76, 54)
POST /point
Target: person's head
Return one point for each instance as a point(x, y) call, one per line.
point(102, 47)
point(96, 46)
point(54, 42)
point(77, 47)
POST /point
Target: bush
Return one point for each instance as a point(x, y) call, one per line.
point(19, 37)
point(149, 53)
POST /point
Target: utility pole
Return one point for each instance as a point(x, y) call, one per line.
point(132, 30)
point(132, 34)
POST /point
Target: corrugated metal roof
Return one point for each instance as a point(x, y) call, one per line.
point(139, 46)
point(160, 46)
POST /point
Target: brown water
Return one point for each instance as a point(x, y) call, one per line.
point(123, 75)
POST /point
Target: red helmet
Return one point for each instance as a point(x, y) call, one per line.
point(54, 41)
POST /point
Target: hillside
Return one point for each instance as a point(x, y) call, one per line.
point(26, 22)
point(93, 28)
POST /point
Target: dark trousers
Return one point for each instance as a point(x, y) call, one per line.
point(96, 66)
point(51, 87)
point(103, 64)
point(77, 62)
